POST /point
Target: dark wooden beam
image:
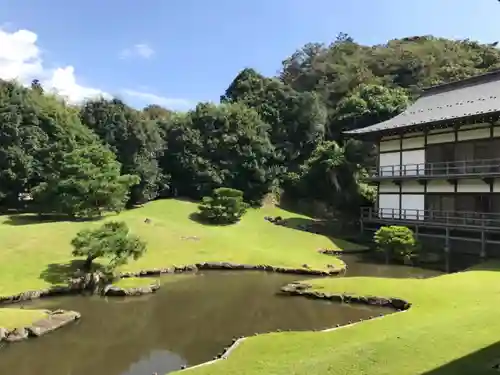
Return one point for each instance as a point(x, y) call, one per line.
point(422, 181)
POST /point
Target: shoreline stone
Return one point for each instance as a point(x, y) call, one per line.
point(340, 252)
point(54, 320)
point(302, 289)
point(115, 291)
point(231, 266)
point(78, 285)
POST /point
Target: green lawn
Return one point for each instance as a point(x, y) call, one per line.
point(135, 282)
point(453, 328)
point(11, 318)
point(35, 255)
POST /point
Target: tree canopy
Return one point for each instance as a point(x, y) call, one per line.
point(112, 240)
point(267, 133)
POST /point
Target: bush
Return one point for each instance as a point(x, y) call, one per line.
point(225, 206)
point(397, 242)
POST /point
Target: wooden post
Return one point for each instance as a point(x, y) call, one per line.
point(483, 245)
point(447, 250)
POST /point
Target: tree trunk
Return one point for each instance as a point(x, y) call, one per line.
point(87, 266)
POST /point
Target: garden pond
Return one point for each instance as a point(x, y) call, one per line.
point(185, 323)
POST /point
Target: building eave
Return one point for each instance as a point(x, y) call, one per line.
point(451, 104)
point(425, 127)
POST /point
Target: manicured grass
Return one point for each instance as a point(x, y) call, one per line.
point(35, 254)
point(17, 318)
point(451, 329)
point(135, 282)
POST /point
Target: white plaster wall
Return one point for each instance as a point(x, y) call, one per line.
point(388, 187)
point(390, 145)
point(474, 126)
point(388, 205)
point(440, 186)
point(389, 137)
point(465, 135)
point(411, 160)
point(496, 186)
point(440, 138)
point(472, 186)
point(496, 131)
point(414, 142)
point(412, 206)
point(389, 163)
point(411, 187)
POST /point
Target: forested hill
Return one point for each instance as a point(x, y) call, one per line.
point(338, 72)
point(268, 133)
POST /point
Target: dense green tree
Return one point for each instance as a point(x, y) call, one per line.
point(20, 136)
point(35, 130)
point(368, 104)
point(156, 112)
point(219, 146)
point(296, 119)
point(85, 182)
point(332, 175)
point(135, 140)
point(112, 240)
point(336, 71)
point(268, 130)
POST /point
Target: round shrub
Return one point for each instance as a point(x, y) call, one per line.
point(225, 206)
point(397, 242)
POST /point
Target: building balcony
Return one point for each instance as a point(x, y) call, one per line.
point(451, 170)
point(432, 218)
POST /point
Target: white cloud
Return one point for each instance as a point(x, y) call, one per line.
point(21, 59)
point(138, 50)
point(150, 98)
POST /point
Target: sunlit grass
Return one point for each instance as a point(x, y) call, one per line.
point(11, 318)
point(452, 319)
point(34, 255)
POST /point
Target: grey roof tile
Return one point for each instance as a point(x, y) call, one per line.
point(472, 96)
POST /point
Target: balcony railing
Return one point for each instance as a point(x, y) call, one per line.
point(469, 168)
point(442, 218)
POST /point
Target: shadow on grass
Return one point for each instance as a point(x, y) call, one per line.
point(455, 263)
point(481, 362)
point(30, 219)
point(197, 218)
point(333, 230)
point(60, 273)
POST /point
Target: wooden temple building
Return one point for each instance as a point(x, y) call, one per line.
point(438, 167)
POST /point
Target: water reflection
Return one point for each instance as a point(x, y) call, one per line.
point(158, 361)
point(367, 265)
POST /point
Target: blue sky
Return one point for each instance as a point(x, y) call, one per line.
point(178, 52)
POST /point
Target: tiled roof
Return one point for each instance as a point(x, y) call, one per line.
point(473, 96)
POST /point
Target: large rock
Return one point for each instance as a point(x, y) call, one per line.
point(53, 321)
point(3, 333)
point(17, 334)
point(114, 291)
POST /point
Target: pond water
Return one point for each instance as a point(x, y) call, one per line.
point(186, 322)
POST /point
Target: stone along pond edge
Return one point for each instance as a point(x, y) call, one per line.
point(83, 283)
point(303, 290)
point(54, 320)
point(60, 318)
point(77, 284)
